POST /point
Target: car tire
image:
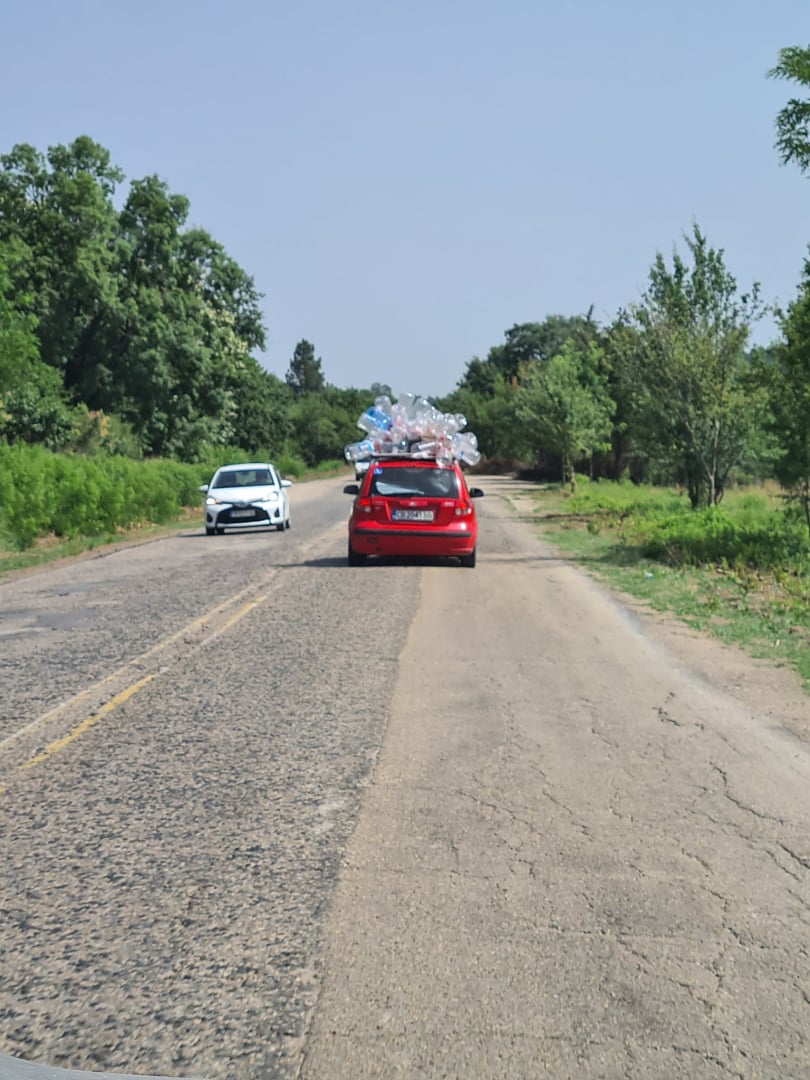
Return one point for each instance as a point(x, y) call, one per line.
point(355, 557)
point(220, 530)
point(209, 531)
point(287, 523)
point(280, 527)
point(468, 560)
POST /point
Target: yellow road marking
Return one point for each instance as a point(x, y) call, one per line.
point(189, 628)
point(88, 722)
point(237, 615)
point(124, 695)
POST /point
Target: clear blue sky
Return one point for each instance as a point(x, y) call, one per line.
point(405, 181)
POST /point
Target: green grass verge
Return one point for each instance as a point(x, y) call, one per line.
point(51, 549)
point(740, 597)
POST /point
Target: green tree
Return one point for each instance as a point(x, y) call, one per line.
point(316, 431)
point(19, 349)
point(564, 406)
point(324, 423)
point(305, 374)
point(36, 411)
point(173, 349)
point(142, 318)
point(632, 436)
point(33, 407)
point(526, 342)
point(58, 211)
point(262, 410)
point(787, 367)
point(486, 392)
point(700, 406)
point(482, 378)
point(490, 415)
point(793, 121)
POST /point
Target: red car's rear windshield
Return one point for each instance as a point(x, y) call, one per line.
point(405, 480)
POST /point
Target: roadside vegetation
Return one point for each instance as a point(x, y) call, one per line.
point(740, 571)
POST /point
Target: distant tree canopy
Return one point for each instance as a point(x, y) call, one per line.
point(305, 373)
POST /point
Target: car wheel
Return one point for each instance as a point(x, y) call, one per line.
point(209, 531)
point(355, 558)
point(468, 560)
point(287, 523)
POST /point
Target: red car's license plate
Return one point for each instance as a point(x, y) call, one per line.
point(412, 515)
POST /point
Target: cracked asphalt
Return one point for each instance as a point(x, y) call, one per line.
point(391, 821)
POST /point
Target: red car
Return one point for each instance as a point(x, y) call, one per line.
point(408, 506)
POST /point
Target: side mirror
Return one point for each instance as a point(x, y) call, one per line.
point(476, 493)
point(351, 489)
point(286, 483)
point(203, 488)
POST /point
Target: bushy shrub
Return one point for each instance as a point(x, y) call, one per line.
point(43, 493)
point(624, 498)
point(714, 536)
point(290, 465)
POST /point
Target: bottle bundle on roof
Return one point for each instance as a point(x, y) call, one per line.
point(414, 427)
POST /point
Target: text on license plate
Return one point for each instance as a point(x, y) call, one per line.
point(242, 513)
point(413, 515)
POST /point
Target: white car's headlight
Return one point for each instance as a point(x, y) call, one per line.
point(211, 500)
point(271, 496)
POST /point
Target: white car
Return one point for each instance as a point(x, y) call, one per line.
point(246, 496)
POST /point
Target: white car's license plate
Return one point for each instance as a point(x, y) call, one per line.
point(413, 515)
point(243, 513)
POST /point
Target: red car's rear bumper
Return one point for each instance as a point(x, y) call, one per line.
point(392, 540)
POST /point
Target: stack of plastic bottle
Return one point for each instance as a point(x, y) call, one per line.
point(415, 427)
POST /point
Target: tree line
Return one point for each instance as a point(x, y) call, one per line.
point(124, 329)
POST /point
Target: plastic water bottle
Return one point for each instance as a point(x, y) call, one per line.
point(359, 451)
point(374, 419)
point(465, 448)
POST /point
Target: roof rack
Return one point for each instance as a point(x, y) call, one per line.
point(402, 455)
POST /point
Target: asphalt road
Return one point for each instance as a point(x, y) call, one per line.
point(263, 815)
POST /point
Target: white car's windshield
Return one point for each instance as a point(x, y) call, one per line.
point(243, 478)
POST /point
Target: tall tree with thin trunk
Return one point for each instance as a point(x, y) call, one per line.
point(564, 406)
point(701, 407)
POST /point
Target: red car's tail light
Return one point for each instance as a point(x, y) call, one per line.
point(363, 504)
point(463, 509)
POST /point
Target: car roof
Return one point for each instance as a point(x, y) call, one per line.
point(401, 462)
point(247, 465)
